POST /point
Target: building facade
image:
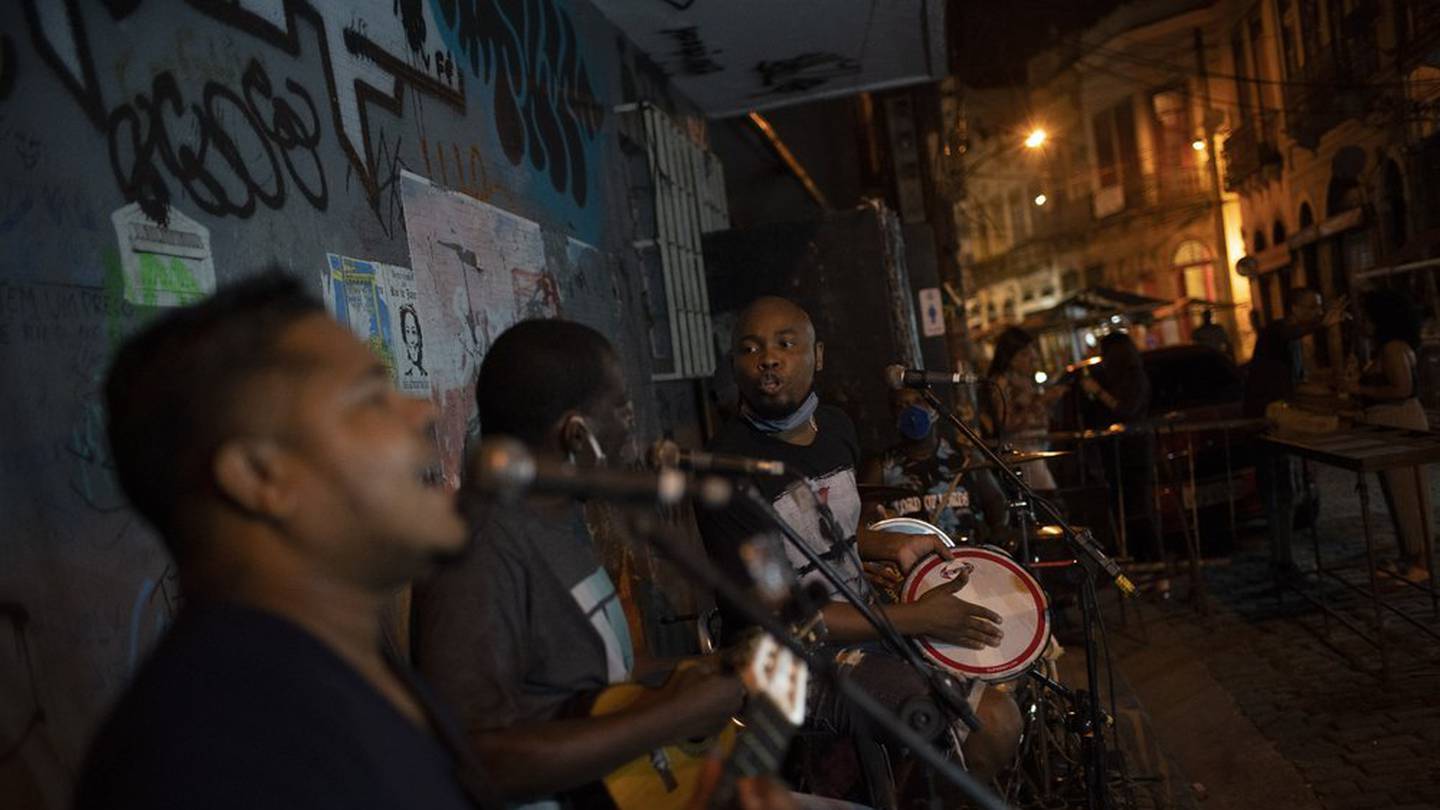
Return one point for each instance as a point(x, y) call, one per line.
point(1334, 152)
point(1123, 189)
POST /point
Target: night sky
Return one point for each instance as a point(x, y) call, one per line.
point(991, 39)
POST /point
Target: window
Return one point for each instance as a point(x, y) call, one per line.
point(687, 186)
point(1173, 135)
point(1117, 158)
point(1196, 266)
point(1243, 85)
point(1289, 44)
point(1397, 228)
point(1069, 281)
point(1019, 216)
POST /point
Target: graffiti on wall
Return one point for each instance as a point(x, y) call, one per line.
point(544, 107)
point(545, 113)
point(208, 145)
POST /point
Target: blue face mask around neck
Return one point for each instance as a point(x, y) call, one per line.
point(783, 424)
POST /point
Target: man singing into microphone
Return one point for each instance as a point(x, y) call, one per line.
point(530, 619)
point(289, 480)
point(775, 356)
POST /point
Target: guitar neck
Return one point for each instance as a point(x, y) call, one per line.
point(759, 749)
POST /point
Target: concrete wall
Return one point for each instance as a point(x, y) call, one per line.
point(282, 127)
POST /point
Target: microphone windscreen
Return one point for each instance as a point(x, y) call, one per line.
point(664, 453)
point(895, 376)
point(501, 464)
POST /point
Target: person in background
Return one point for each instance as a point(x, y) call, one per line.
point(1389, 389)
point(1212, 334)
point(1016, 403)
point(1118, 392)
point(926, 462)
point(1275, 372)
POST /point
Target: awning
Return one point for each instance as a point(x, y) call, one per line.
point(1185, 305)
point(737, 56)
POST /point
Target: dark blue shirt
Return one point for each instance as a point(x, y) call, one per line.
point(238, 708)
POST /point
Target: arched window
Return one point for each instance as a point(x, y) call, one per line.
point(1397, 227)
point(1259, 241)
point(1307, 218)
point(1195, 263)
point(1277, 233)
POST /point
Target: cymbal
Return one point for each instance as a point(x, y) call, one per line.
point(1022, 456)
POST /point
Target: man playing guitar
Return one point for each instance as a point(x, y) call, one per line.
point(530, 620)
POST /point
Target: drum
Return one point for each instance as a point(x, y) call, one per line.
point(1000, 584)
point(909, 525)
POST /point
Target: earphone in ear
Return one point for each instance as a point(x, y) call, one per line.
point(596, 451)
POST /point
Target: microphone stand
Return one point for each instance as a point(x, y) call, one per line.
point(1091, 727)
point(942, 683)
point(702, 570)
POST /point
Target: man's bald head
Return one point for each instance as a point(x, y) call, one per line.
point(775, 355)
point(769, 308)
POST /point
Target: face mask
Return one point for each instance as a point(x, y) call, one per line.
point(915, 422)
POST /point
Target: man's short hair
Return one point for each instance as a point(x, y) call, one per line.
point(535, 372)
point(174, 389)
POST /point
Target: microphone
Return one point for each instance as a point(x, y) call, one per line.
point(900, 377)
point(503, 468)
point(667, 454)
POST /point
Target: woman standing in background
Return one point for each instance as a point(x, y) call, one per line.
point(1389, 389)
point(1017, 404)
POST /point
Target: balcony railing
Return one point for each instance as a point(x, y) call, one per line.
point(1249, 149)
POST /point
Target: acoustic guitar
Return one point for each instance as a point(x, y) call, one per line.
point(753, 743)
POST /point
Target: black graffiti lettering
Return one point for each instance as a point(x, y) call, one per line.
point(696, 58)
point(803, 72)
point(412, 16)
point(208, 159)
point(545, 108)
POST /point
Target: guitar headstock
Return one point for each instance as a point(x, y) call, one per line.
point(773, 673)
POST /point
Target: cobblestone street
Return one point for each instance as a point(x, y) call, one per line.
point(1257, 706)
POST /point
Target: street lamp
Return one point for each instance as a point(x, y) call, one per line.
point(1036, 138)
point(1041, 199)
point(1198, 145)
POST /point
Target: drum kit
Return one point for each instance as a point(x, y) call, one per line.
point(1048, 769)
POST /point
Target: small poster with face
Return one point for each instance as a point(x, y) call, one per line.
point(381, 306)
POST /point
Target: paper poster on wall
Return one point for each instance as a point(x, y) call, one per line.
point(932, 312)
point(381, 306)
point(482, 269)
point(164, 265)
point(487, 266)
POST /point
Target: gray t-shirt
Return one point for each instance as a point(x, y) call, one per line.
point(525, 622)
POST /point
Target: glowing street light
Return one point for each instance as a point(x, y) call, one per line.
point(1036, 138)
point(1198, 145)
point(1041, 199)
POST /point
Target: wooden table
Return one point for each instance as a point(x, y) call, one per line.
point(1366, 449)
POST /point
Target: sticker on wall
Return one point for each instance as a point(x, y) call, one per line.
point(164, 265)
point(380, 304)
point(932, 312)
